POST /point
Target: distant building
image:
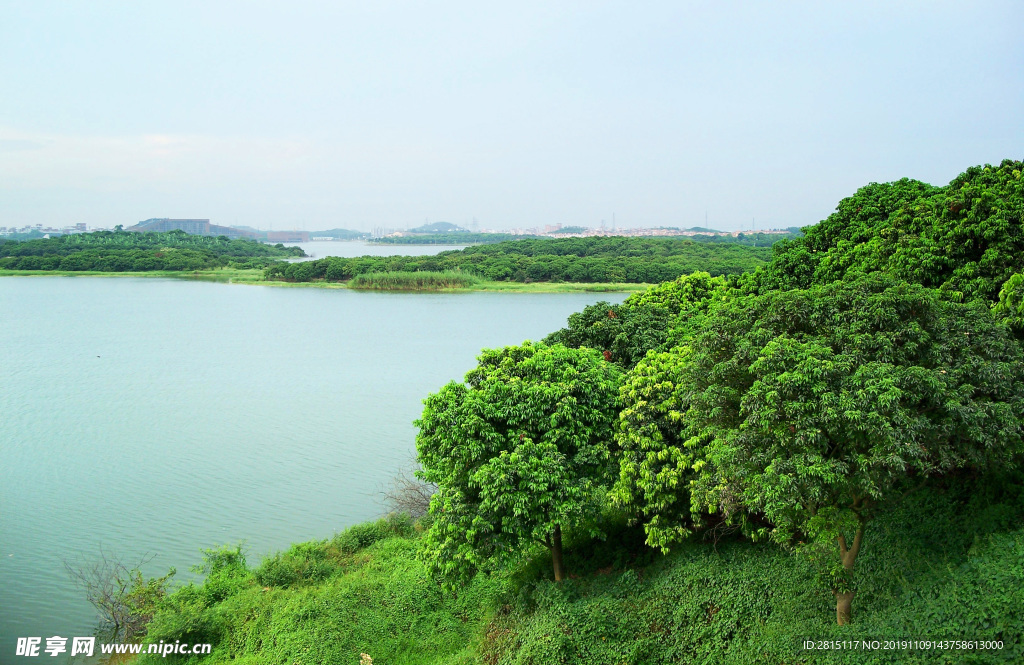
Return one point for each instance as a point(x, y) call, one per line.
point(198, 227)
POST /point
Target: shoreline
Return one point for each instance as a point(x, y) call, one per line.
point(255, 277)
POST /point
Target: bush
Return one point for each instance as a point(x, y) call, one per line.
point(302, 563)
point(357, 537)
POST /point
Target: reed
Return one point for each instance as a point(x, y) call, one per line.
point(414, 281)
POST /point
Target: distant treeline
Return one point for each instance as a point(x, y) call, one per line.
point(124, 251)
point(449, 239)
point(596, 259)
point(750, 239)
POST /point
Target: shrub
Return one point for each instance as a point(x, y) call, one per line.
point(357, 537)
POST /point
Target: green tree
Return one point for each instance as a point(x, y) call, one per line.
point(812, 410)
point(1010, 308)
point(965, 238)
point(518, 452)
point(646, 321)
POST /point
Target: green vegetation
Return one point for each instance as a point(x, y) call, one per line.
point(124, 251)
point(125, 601)
point(965, 238)
point(751, 239)
point(646, 321)
point(414, 281)
point(946, 564)
point(598, 259)
point(517, 454)
point(845, 421)
point(801, 415)
point(326, 602)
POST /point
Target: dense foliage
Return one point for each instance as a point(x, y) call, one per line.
point(599, 259)
point(124, 251)
point(965, 238)
point(518, 452)
point(814, 409)
point(754, 239)
point(645, 322)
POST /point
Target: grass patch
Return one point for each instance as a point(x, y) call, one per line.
point(562, 287)
point(424, 280)
point(945, 565)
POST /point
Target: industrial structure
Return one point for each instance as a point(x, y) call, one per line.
point(199, 227)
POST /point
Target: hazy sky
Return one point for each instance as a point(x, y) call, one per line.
point(336, 114)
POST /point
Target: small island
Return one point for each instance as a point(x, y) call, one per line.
point(122, 251)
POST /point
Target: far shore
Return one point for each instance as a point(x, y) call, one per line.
point(234, 276)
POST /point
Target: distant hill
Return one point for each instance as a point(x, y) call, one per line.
point(572, 229)
point(341, 234)
point(439, 227)
point(456, 238)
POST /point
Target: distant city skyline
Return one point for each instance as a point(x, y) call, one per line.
point(320, 115)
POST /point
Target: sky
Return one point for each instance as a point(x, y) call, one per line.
point(318, 115)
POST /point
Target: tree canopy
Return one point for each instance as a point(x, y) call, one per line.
point(811, 408)
point(965, 238)
point(645, 321)
point(518, 451)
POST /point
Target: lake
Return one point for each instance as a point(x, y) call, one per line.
point(146, 416)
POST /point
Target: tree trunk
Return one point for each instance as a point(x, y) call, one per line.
point(556, 553)
point(848, 556)
point(844, 610)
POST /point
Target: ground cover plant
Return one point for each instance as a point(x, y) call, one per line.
point(944, 565)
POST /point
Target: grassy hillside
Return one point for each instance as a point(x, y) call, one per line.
point(947, 565)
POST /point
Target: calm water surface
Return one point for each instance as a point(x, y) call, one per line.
point(153, 416)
